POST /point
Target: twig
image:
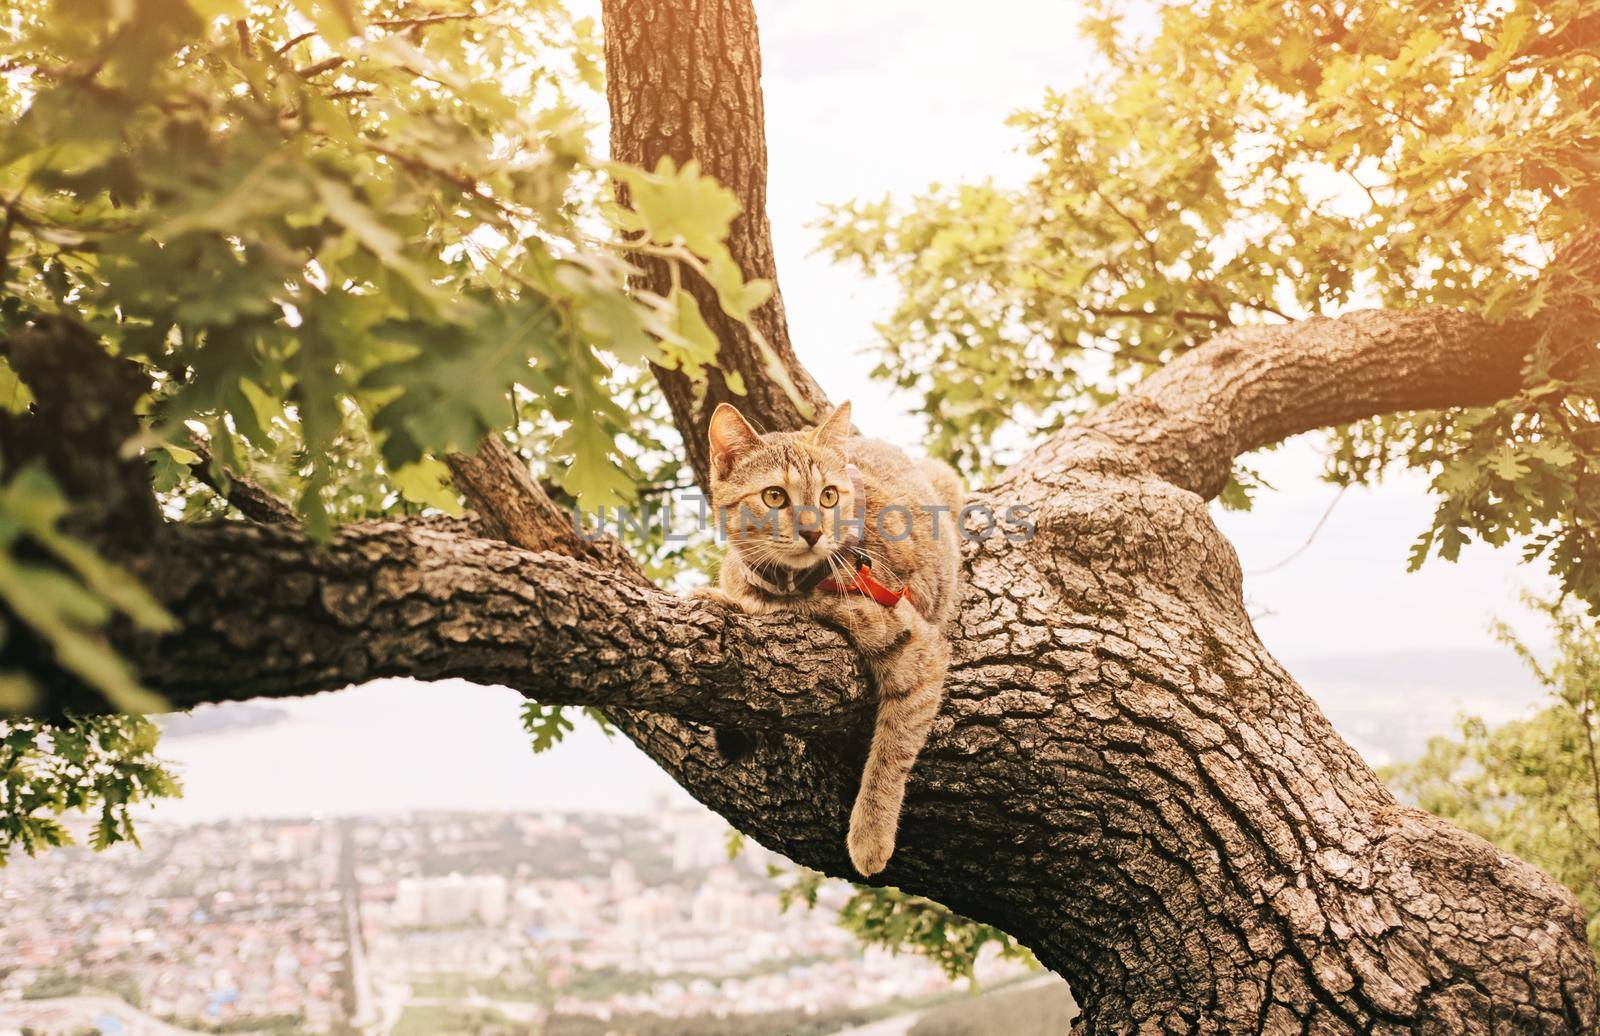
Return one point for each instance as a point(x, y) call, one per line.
point(251, 500)
point(432, 19)
point(1309, 539)
point(1139, 231)
point(325, 65)
point(1158, 314)
point(497, 484)
point(666, 487)
point(293, 40)
point(1264, 307)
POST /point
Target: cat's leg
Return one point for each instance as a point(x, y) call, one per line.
point(908, 656)
point(873, 629)
point(910, 685)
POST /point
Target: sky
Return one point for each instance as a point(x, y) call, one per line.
point(863, 100)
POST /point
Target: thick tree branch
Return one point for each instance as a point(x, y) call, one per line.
point(263, 610)
point(1253, 386)
point(1120, 774)
point(266, 612)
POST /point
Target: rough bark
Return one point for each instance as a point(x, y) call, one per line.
point(250, 499)
point(1254, 386)
point(267, 612)
point(1121, 775)
point(83, 414)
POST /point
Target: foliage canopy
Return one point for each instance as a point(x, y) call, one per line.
point(1239, 161)
point(345, 239)
point(342, 239)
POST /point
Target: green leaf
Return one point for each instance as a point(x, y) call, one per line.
point(369, 228)
point(17, 693)
point(427, 482)
point(673, 204)
point(68, 617)
point(613, 321)
point(738, 297)
point(594, 476)
point(693, 346)
point(1507, 463)
point(180, 454)
point(32, 501)
point(101, 763)
point(545, 724)
point(15, 398)
point(456, 386)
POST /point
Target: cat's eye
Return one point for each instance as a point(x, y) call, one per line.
point(772, 496)
point(829, 497)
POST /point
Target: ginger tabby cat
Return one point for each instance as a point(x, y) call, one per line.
point(854, 533)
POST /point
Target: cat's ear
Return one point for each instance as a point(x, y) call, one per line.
point(730, 436)
point(835, 429)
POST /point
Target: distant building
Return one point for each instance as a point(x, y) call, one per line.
point(699, 837)
point(644, 915)
point(722, 905)
point(450, 902)
point(624, 880)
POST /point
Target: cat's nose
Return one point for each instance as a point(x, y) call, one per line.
point(811, 536)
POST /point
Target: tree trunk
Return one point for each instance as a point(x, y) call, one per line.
point(684, 82)
point(1121, 776)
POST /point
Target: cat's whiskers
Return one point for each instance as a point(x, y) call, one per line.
point(763, 552)
point(837, 572)
point(756, 551)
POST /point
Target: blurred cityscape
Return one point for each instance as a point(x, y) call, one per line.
point(549, 923)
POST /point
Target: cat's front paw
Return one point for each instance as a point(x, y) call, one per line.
point(715, 594)
point(876, 629)
point(871, 843)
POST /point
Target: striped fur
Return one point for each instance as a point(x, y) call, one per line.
point(911, 537)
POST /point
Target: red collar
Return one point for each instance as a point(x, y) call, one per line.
point(866, 586)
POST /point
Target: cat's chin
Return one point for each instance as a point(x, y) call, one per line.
point(811, 556)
